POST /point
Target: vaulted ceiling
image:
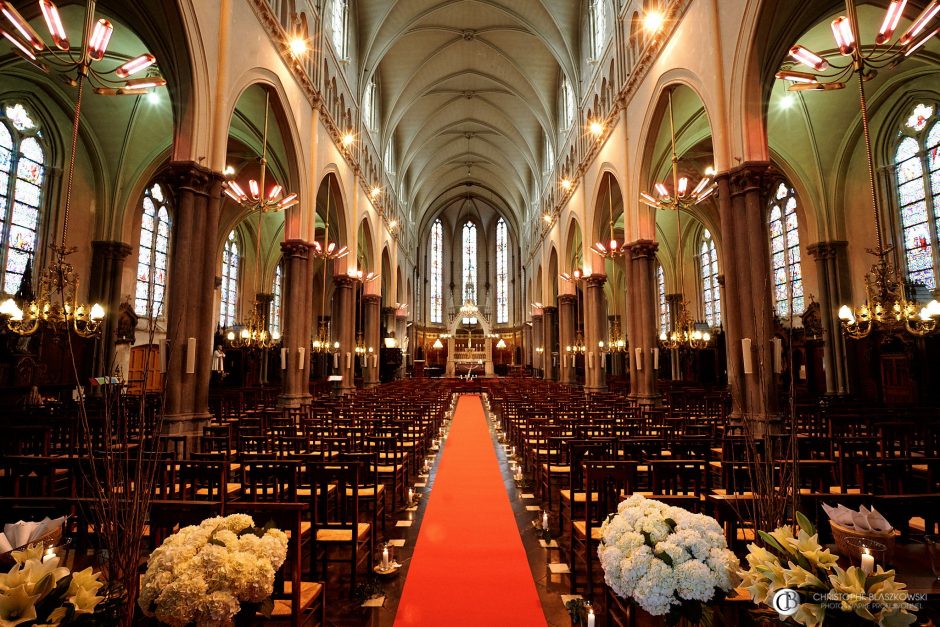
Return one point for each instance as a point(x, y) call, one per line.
point(467, 90)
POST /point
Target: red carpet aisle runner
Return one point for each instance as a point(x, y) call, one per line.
point(469, 566)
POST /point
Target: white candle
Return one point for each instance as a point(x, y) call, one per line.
point(545, 521)
point(411, 495)
point(283, 359)
point(49, 554)
point(746, 354)
point(639, 358)
point(301, 357)
point(191, 355)
point(868, 562)
point(385, 558)
point(590, 621)
point(655, 359)
point(778, 355)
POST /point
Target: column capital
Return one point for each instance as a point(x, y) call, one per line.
point(549, 310)
point(296, 248)
point(264, 299)
point(372, 299)
point(673, 299)
point(567, 299)
point(536, 318)
point(596, 280)
point(748, 177)
point(111, 249)
point(389, 311)
point(344, 280)
point(643, 248)
point(721, 279)
point(192, 176)
point(827, 250)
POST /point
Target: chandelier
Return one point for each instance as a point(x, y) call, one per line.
point(253, 333)
point(361, 349)
point(578, 347)
point(617, 342)
point(686, 333)
point(56, 305)
point(886, 305)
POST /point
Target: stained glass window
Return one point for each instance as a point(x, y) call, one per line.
point(22, 175)
point(917, 168)
point(152, 255)
point(339, 10)
point(437, 272)
point(469, 266)
point(663, 303)
point(709, 267)
point(230, 263)
point(785, 253)
point(598, 27)
point(502, 272)
point(274, 322)
point(567, 103)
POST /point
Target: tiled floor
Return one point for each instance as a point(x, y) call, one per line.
point(346, 610)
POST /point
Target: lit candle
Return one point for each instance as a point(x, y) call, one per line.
point(868, 562)
point(590, 621)
point(49, 554)
point(545, 521)
point(385, 558)
point(411, 495)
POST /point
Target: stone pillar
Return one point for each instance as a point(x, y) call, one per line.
point(643, 298)
point(197, 192)
point(401, 334)
point(629, 328)
point(294, 335)
point(344, 295)
point(595, 332)
point(488, 369)
point(748, 309)
point(371, 315)
point(538, 345)
point(451, 369)
point(104, 287)
point(831, 263)
point(675, 360)
point(567, 330)
point(549, 342)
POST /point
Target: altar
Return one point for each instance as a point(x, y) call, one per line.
point(468, 353)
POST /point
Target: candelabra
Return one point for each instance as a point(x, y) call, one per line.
point(56, 304)
point(617, 343)
point(886, 303)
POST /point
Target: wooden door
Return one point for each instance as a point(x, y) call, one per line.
point(145, 363)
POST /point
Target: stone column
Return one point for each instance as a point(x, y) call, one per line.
point(344, 295)
point(643, 298)
point(538, 345)
point(831, 263)
point(371, 313)
point(567, 329)
point(451, 369)
point(488, 369)
point(675, 359)
point(629, 328)
point(748, 309)
point(197, 192)
point(550, 342)
point(595, 332)
point(104, 287)
point(294, 336)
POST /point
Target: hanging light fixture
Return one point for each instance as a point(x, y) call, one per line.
point(686, 333)
point(253, 333)
point(361, 348)
point(56, 305)
point(886, 305)
point(614, 249)
point(326, 253)
point(578, 347)
point(617, 342)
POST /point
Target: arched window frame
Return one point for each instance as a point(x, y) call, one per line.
point(598, 28)
point(502, 272)
point(153, 253)
point(916, 160)
point(389, 159)
point(23, 164)
point(277, 287)
point(567, 103)
point(549, 155)
point(708, 267)
point(469, 243)
point(231, 264)
point(436, 260)
point(339, 27)
point(785, 258)
point(368, 106)
point(664, 313)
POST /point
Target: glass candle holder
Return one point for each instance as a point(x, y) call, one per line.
point(866, 553)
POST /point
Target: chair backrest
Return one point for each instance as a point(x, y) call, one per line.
point(604, 483)
point(335, 494)
point(580, 451)
point(269, 480)
point(203, 480)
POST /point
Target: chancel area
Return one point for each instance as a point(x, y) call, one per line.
point(469, 312)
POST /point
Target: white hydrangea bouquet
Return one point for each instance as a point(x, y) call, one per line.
point(38, 591)
point(204, 573)
point(668, 560)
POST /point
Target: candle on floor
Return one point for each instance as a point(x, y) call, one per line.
point(49, 554)
point(590, 620)
point(411, 495)
point(545, 521)
point(385, 558)
point(868, 562)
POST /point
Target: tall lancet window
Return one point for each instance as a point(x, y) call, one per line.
point(598, 27)
point(230, 264)
point(709, 265)
point(469, 266)
point(502, 272)
point(917, 165)
point(785, 253)
point(152, 254)
point(437, 272)
point(274, 322)
point(663, 303)
point(22, 186)
point(339, 19)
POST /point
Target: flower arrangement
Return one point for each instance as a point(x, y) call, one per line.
point(668, 560)
point(37, 591)
point(796, 560)
point(204, 573)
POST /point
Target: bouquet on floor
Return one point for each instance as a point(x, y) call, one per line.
point(204, 573)
point(38, 591)
point(795, 561)
point(668, 560)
